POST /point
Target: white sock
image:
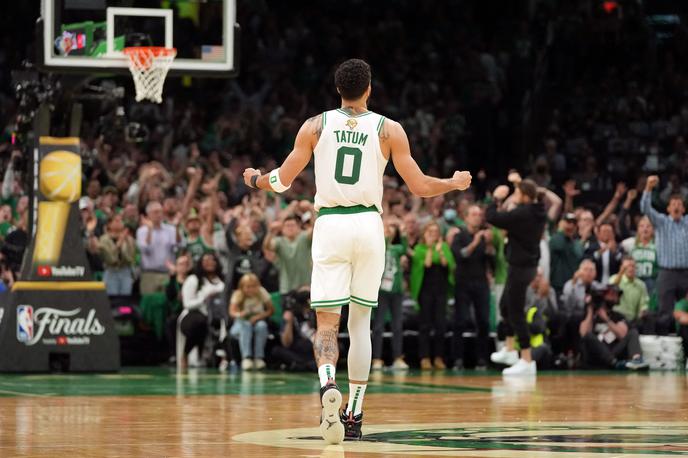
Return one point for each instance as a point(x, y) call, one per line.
point(356, 394)
point(326, 372)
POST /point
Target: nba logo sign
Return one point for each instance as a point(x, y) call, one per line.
point(24, 323)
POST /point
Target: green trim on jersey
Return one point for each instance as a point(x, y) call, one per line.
point(379, 124)
point(346, 210)
point(324, 119)
point(353, 116)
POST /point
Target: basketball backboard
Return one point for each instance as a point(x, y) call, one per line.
point(87, 36)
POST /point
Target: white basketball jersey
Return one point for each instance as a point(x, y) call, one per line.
point(349, 164)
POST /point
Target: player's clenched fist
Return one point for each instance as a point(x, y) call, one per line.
point(248, 173)
point(462, 180)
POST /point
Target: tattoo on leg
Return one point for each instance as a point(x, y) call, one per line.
point(326, 347)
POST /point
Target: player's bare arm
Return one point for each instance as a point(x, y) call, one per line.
point(395, 144)
point(298, 159)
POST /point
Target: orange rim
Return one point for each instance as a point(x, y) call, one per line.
point(146, 55)
point(155, 50)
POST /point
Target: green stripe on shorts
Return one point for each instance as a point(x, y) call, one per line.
point(365, 301)
point(367, 304)
point(330, 303)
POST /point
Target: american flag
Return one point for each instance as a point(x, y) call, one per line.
point(212, 53)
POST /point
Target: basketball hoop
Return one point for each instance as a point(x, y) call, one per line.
point(149, 66)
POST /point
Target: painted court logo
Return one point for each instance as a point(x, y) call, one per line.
point(531, 440)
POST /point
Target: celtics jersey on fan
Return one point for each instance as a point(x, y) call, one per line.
point(349, 164)
point(645, 260)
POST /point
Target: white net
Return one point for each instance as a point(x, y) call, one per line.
point(149, 67)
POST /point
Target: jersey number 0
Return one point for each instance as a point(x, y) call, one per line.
point(356, 156)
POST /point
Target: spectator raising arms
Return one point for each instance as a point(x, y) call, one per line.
point(431, 272)
point(200, 287)
point(524, 225)
point(250, 306)
point(671, 232)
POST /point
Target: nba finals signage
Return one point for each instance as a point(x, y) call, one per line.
point(57, 316)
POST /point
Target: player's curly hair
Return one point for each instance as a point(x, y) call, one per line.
point(352, 78)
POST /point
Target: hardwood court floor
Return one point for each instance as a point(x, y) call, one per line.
point(157, 413)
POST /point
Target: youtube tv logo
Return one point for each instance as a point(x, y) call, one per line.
point(44, 271)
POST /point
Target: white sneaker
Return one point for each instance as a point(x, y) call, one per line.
point(400, 365)
point(331, 426)
point(224, 365)
point(259, 364)
point(504, 356)
point(247, 364)
point(522, 367)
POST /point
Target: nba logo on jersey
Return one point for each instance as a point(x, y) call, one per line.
point(24, 323)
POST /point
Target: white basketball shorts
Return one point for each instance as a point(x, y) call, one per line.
point(348, 259)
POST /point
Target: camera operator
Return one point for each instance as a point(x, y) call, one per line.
point(607, 340)
point(297, 333)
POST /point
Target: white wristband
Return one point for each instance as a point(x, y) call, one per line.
point(276, 183)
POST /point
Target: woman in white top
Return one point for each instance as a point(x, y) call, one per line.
point(250, 306)
point(197, 290)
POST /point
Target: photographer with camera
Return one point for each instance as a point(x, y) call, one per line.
point(607, 340)
point(297, 333)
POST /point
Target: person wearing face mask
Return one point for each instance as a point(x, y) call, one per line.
point(671, 238)
point(524, 225)
point(450, 218)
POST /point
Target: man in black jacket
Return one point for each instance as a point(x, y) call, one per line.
point(524, 225)
point(474, 253)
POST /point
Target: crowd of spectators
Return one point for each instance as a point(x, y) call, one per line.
point(169, 221)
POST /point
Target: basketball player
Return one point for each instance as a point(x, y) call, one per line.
point(351, 146)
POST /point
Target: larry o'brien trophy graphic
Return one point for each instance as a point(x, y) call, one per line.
point(56, 317)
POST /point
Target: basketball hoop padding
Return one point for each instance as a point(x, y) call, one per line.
point(149, 66)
